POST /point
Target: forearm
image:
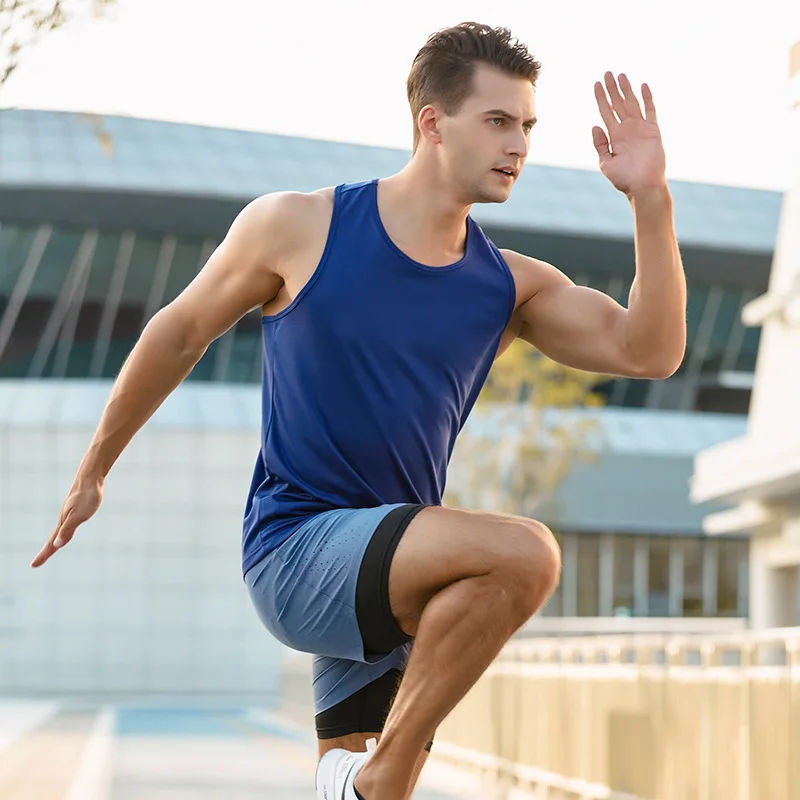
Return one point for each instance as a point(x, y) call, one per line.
point(160, 360)
point(655, 327)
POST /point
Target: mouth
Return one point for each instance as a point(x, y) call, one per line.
point(507, 172)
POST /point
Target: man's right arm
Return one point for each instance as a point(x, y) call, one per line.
point(243, 273)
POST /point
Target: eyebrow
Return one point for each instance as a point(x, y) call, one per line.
point(498, 112)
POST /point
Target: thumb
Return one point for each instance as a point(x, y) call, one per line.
point(601, 143)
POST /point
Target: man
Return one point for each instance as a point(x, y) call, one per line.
point(384, 306)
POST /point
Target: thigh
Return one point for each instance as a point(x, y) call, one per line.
point(305, 591)
point(444, 545)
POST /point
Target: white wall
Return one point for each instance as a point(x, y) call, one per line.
point(148, 599)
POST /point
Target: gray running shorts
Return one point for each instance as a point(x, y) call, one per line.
point(325, 591)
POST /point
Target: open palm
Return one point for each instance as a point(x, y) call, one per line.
point(631, 153)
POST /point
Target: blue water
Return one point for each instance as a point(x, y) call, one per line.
point(225, 723)
point(175, 722)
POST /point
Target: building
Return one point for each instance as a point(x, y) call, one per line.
point(759, 472)
point(104, 220)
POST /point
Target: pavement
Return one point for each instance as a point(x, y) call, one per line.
point(63, 751)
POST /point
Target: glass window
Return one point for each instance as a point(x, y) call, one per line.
point(693, 550)
point(624, 547)
point(588, 575)
point(15, 243)
point(695, 305)
point(730, 553)
point(99, 281)
point(658, 577)
point(727, 316)
point(55, 264)
point(185, 264)
point(141, 272)
point(746, 360)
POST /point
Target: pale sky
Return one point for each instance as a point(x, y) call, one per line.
point(337, 70)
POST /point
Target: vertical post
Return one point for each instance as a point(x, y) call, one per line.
point(707, 722)
point(748, 652)
point(710, 577)
point(641, 576)
point(569, 576)
point(676, 577)
point(793, 659)
point(606, 575)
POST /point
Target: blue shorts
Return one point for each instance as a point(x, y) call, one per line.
point(325, 591)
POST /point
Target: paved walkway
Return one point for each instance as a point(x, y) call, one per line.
point(61, 752)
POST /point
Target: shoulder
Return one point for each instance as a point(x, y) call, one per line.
point(285, 212)
point(276, 223)
point(531, 275)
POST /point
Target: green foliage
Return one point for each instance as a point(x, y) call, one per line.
point(527, 431)
point(24, 22)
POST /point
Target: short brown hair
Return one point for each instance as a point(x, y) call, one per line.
point(443, 69)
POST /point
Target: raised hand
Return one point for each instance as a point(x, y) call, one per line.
point(82, 502)
point(631, 153)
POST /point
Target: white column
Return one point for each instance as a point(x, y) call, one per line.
point(773, 590)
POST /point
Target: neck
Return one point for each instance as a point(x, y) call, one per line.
point(424, 208)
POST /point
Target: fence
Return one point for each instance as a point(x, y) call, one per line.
point(677, 717)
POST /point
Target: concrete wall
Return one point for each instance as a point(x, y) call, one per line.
point(148, 599)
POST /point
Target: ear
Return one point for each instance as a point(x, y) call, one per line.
point(428, 123)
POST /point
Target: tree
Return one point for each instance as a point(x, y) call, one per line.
point(24, 22)
point(525, 434)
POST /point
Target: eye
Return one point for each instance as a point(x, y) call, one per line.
point(497, 119)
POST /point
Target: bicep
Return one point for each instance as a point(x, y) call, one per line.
point(577, 326)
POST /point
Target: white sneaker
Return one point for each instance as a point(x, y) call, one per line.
point(337, 770)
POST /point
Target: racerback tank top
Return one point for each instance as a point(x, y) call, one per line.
point(370, 373)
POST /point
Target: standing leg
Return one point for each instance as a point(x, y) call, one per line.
point(461, 583)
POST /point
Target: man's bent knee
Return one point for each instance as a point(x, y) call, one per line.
point(531, 567)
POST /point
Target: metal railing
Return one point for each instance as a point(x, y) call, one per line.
point(636, 717)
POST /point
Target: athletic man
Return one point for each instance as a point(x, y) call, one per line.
point(384, 306)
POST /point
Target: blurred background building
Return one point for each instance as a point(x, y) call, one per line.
point(759, 472)
point(104, 220)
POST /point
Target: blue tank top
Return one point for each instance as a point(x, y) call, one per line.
point(370, 373)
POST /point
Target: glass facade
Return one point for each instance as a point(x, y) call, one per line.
point(718, 345)
point(73, 302)
point(647, 575)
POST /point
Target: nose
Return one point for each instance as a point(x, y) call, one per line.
point(518, 145)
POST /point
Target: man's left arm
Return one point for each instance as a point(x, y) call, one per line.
point(584, 328)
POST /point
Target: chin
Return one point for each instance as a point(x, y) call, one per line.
point(494, 194)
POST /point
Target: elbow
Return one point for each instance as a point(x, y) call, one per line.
point(655, 364)
point(661, 371)
point(658, 367)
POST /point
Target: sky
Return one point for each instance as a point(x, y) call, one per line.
point(718, 70)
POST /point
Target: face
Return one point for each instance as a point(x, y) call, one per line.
point(490, 133)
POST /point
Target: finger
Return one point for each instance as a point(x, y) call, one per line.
point(606, 112)
point(61, 536)
point(631, 101)
point(617, 100)
point(601, 143)
point(649, 105)
point(43, 555)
